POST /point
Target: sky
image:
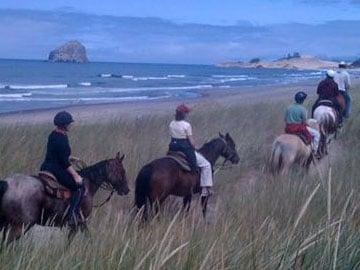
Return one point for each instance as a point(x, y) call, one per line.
point(197, 31)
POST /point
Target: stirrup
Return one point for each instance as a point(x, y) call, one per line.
point(206, 192)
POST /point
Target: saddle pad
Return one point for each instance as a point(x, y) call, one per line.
point(53, 187)
point(180, 158)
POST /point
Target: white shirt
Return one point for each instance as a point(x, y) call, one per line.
point(180, 129)
point(342, 78)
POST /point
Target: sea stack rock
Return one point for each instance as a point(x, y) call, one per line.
point(71, 52)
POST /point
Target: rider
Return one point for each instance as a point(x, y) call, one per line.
point(342, 78)
point(295, 119)
point(57, 162)
point(328, 90)
point(182, 140)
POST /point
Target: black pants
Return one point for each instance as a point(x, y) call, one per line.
point(66, 179)
point(61, 174)
point(184, 146)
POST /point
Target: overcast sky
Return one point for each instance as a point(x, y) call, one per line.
point(202, 31)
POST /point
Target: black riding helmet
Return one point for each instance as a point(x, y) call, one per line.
point(300, 97)
point(62, 119)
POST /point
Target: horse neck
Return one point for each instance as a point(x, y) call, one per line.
point(95, 175)
point(212, 150)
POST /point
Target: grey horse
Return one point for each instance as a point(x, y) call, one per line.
point(24, 202)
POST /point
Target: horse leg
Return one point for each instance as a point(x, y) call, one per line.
point(204, 202)
point(13, 232)
point(187, 203)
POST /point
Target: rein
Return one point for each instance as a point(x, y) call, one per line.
point(80, 164)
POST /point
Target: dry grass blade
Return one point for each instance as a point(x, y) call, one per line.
point(337, 240)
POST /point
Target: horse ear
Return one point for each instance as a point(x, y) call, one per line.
point(227, 135)
point(220, 134)
point(120, 158)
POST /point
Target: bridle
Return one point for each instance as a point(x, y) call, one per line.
point(228, 155)
point(104, 185)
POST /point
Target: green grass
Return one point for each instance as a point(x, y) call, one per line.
point(255, 221)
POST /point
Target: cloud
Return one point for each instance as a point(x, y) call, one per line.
point(32, 34)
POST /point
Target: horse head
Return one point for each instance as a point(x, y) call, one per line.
point(117, 174)
point(229, 153)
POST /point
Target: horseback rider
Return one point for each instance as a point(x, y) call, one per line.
point(342, 78)
point(57, 162)
point(296, 122)
point(328, 90)
point(182, 140)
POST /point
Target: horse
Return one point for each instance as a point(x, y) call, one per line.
point(163, 177)
point(287, 150)
point(24, 201)
point(327, 117)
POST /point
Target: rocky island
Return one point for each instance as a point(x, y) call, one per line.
point(70, 52)
point(294, 61)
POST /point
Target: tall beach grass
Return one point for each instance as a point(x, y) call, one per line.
point(255, 221)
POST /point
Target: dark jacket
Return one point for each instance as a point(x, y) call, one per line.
point(57, 159)
point(327, 89)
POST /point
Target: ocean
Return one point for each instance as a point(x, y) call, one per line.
point(28, 85)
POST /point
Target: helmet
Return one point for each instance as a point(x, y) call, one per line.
point(183, 108)
point(63, 119)
point(330, 73)
point(342, 64)
point(300, 97)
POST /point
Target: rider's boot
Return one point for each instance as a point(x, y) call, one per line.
point(74, 217)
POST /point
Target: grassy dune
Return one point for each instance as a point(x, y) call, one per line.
point(255, 221)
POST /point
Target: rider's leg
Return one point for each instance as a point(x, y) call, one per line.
point(347, 105)
point(316, 138)
point(206, 177)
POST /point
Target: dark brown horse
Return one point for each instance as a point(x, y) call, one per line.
point(163, 177)
point(24, 202)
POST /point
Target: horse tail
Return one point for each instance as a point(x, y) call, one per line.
point(3, 188)
point(276, 158)
point(142, 186)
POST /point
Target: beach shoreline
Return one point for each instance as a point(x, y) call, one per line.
point(134, 109)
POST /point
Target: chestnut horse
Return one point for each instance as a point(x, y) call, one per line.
point(24, 202)
point(163, 177)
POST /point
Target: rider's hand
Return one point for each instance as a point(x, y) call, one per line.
point(79, 180)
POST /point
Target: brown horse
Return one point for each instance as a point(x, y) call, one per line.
point(163, 177)
point(24, 202)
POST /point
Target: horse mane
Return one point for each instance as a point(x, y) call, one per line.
point(95, 171)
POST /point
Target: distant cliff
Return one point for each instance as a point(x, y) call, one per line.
point(70, 52)
point(296, 61)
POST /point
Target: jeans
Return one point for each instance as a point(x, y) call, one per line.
point(347, 98)
point(184, 146)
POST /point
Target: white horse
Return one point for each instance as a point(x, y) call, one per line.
point(327, 119)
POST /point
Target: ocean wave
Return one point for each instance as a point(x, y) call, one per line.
point(230, 76)
point(148, 78)
point(176, 76)
point(85, 83)
point(109, 75)
point(79, 100)
point(18, 95)
point(137, 89)
point(34, 86)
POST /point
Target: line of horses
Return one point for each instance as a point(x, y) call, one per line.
point(289, 149)
point(24, 201)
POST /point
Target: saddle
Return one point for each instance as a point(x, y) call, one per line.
point(300, 131)
point(52, 187)
point(180, 158)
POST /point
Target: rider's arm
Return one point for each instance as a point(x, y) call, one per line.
point(190, 135)
point(192, 141)
point(75, 175)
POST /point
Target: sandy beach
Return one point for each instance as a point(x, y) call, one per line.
point(110, 111)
